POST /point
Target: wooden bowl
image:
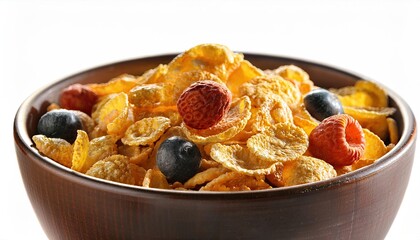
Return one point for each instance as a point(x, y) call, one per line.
point(69, 205)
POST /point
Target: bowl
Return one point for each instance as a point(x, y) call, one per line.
point(69, 205)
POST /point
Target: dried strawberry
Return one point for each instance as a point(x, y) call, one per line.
point(78, 97)
point(204, 103)
point(338, 140)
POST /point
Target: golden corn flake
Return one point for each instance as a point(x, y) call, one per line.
point(204, 177)
point(116, 115)
point(296, 75)
point(155, 179)
point(100, 148)
point(306, 124)
point(57, 149)
point(281, 112)
point(114, 168)
point(234, 122)
point(208, 163)
point(306, 170)
point(146, 131)
point(122, 83)
point(372, 119)
point(138, 173)
point(276, 177)
point(271, 111)
point(245, 72)
point(96, 109)
point(147, 95)
point(374, 147)
point(154, 75)
point(213, 58)
point(393, 130)
point(170, 112)
point(80, 151)
point(261, 88)
point(239, 159)
point(235, 181)
point(136, 154)
point(283, 142)
point(362, 94)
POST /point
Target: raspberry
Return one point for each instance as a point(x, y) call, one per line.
point(204, 103)
point(338, 140)
point(78, 97)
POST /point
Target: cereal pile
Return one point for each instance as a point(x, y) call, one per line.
point(212, 121)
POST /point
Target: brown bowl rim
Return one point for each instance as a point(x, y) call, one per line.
point(407, 139)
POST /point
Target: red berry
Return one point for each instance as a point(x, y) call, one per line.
point(338, 140)
point(204, 103)
point(78, 97)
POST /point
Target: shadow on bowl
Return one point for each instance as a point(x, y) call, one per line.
point(69, 205)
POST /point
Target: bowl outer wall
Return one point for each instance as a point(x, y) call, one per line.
point(69, 205)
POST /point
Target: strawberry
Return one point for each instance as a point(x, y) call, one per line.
point(338, 140)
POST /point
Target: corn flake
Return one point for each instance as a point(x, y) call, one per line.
point(114, 168)
point(155, 179)
point(122, 83)
point(306, 170)
point(234, 181)
point(372, 119)
point(57, 149)
point(204, 177)
point(213, 58)
point(80, 151)
point(296, 75)
point(239, 159)
point(362, 94)
point(283, 142)
point(146, 131)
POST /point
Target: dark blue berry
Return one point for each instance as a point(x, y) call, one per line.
point(60, 123)
point(321, 104)
point(178, 159)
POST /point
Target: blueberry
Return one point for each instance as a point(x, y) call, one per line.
point(321, 104)
point(178, 159)
point(60, 123)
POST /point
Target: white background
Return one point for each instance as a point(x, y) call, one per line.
point(43, 41)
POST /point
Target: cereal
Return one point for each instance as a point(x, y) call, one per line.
point(204, 177)
point(122, 83)
point(363, 94)
point(282, 142)
point(114, 168)
point(145, 131)
point(374, 146)
point(57, 149)
point(306, 170)
point(245, 129)
point(234, 181)
point(80, 151)
point(115, 115)
point(155, 179)
point(296, 75)
point(240, 159)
